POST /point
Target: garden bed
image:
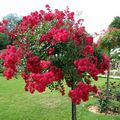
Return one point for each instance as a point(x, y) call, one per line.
point(95, 109)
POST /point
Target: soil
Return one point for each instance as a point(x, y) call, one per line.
point(95, 109)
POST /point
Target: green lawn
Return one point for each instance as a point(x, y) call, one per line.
point(16, 104)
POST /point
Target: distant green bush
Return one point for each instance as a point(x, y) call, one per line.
point(4, 41)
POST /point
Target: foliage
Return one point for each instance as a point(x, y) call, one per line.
point(110, 40)
point(51, 47)
point(1, 67)
point(115, 23)
point(3, 41)
point(111, 37)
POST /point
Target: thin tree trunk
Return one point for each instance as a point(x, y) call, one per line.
point(73, 108)
point(108, 80)
point(73, 111)
point(107, 84)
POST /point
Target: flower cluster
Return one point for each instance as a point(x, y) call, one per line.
point(81, 92)
point(88, 50)
point(104, 65)
point(11, 58)
point(39, 81)
point(3, 26)
point(33, 64)
point(48, 16)
point(90, 65)
point(61, 35)
point(86, 65)
point(31, 20)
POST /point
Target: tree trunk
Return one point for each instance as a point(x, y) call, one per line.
point(73, 111)
point(73, 108)
point(108, 80)
point(107, 84)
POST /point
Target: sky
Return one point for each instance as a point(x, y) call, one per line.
point(97, 14)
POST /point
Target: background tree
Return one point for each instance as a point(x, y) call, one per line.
point(13, 19)
point(109, 41)
point(115, 23)
point(9, 22)
point(115, 56)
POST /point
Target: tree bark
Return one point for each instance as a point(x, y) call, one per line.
point(107, 84)
point(73, 108)
point(108, 80)
point(73, 111)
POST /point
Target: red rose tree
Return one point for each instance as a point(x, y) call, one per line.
point(50, 48)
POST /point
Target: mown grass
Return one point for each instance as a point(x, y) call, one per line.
point(16, 104)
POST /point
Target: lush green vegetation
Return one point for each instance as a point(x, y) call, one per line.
point(16, 104)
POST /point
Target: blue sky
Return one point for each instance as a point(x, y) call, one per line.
point(97, 13)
